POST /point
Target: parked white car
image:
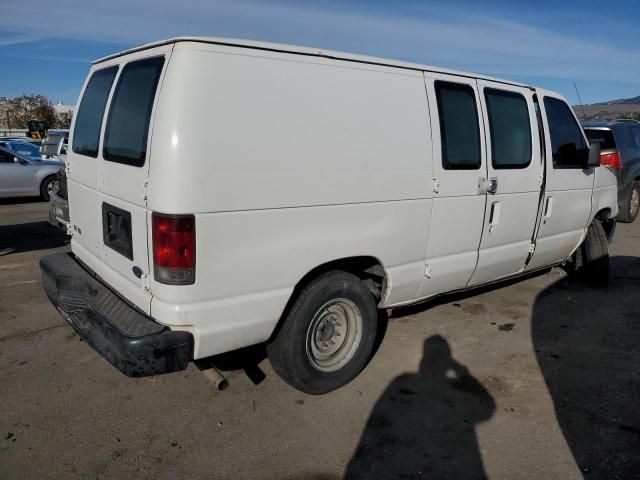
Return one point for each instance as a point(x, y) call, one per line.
point(224, 193)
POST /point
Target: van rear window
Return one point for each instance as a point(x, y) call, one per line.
point(125, 138)
point(86, 135)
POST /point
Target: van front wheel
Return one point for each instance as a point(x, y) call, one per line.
point(595, 255)
point(328, 335)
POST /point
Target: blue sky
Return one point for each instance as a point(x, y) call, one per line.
point(46, 47)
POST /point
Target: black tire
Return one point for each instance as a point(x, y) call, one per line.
point(289, 350)
point(44, 187)
point(629, 209)
point(595, 255)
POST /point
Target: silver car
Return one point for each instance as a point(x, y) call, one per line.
point(24, 177)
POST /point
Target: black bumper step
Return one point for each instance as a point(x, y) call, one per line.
point(128, 339)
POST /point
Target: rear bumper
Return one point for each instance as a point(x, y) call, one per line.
point(129, 340)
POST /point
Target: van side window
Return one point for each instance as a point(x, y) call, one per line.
point(570, 150)
point(510, 129)
point(125, 138)
point(459, 128)
point(86, 135)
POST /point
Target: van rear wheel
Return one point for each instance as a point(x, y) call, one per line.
point(328, 335)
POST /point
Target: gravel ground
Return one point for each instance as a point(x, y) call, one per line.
point(536, 379)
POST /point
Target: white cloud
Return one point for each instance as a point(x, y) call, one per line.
point(444, 37)
point(16, 39)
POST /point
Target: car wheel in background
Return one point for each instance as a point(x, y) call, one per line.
point(630, 208)
point(49, 184)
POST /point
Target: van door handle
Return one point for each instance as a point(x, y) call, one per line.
point(548, 208)
point(494, 216)
point(492, 185)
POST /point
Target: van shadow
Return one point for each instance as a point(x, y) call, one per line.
point(423, 425)
point(28, 237)
point(20, 200)
point(587, 342)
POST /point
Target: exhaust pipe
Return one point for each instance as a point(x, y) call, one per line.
point(212, 374)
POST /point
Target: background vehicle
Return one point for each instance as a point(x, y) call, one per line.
point(23, 147)
point(37, 129)
point(327, 186)
point(620, 140)
point(22, 177)
point(58, 203)
point(55, 144)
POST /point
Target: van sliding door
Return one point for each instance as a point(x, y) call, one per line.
point(459, 172)
point(515, 174)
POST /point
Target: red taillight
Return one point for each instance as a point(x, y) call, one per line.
point(174, 248)
point(611, 160)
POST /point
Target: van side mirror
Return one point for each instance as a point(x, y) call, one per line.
point(594, 154)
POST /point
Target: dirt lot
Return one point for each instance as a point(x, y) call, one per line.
point(535, 379)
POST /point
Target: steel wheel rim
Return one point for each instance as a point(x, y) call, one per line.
point(334, 335)
point(53, 186)
point(634, 202)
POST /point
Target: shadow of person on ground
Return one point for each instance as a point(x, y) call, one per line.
point(423, 425)
point(587, 342)
point(27, 237)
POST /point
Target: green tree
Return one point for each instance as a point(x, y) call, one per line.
point(21, 109)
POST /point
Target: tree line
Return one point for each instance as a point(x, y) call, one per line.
point(16, 112)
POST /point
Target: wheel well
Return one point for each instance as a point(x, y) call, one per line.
point(604, 214)
point(368, 269)
point(608, 223)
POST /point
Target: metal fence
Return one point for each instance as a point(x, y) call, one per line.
point(14, 132)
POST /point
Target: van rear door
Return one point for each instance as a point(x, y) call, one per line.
point(108, 168)
point(82, 163)
point(123, 169)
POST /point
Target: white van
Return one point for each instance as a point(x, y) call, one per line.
point(225, 193)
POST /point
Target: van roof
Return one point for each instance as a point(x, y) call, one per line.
point(307, 51)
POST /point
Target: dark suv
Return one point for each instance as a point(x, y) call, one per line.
point(620, 140)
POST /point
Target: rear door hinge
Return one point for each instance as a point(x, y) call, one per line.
point(144, 189)
point(427, 270)
point(70, 229)
point(436, 185)
point(532, 248)
point(146, 283)
point(67, 168)
point(540, 180)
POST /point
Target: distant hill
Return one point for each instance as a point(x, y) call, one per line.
point(622, 108)
point(624, 101)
